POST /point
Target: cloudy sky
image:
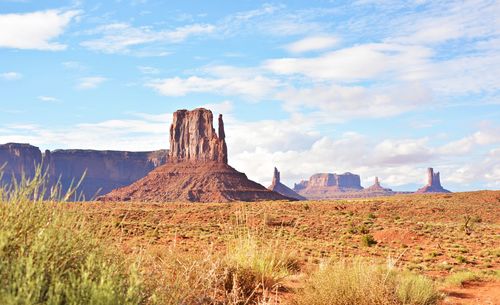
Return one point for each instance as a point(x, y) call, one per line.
point(374, 87)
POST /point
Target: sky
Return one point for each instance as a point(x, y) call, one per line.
point(374, 87)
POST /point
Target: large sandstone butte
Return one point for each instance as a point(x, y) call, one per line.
point(284, 190)
point(433, 183)
point(329, 186)
point(105, 170)
point(197, 170)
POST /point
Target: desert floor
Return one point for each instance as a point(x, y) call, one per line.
point(435, 234)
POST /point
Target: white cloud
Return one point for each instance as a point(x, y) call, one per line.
point(254, 88)
point(273, 20)
point(49, 99)
point(313, 43)
point(36, 30)
point(442, 22)
point(341, 103)
point(122, 37)
point(486, 136)
point(11, 76)
point(362, 62)
point(90, 82)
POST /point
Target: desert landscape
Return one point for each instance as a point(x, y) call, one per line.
point(199, 232)
point(249, 152)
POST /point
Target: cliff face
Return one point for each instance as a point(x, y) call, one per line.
point(282, 189)
point(433, 183)
point(19, 159)
point(193, 138)
point(330, 186)
point(105, 170)
point(197, 170)
point(347, 181)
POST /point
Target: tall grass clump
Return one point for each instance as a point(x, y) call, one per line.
point(363, 283)
point(250, 270)
point(267, 259)
point(49, 254)
point(461, 277)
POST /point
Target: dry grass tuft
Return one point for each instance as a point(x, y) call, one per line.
point(363, 283)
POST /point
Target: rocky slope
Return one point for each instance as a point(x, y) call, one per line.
point(284, 190)
point(433, 183)
point(104, 170)
point(197, 170)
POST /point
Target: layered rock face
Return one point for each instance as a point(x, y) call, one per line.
point(343, 182)
point(19, 159)
point(433, 183)
point(197, 170)
point(284, 190)
point(193, 138)
point(104, 170)
point(329, 186)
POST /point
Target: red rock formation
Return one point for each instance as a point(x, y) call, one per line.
point(433, 183)
point(19, 159)
point(377, 188)
point(193, 138)
point(282, 189)
point(327, 186)
point(105, 170)
point(198, 170)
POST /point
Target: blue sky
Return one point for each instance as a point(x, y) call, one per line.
point(378, 88)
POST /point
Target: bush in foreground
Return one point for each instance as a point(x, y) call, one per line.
point(51, 255)
point(363, 283)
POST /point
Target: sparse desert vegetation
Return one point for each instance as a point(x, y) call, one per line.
point(408, 249)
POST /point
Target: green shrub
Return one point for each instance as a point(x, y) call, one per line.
point(363, 283)
point(459, 278)
point(51, 255)
point(416, 289)
point(461, 259)
point(367, 240)
point(269, 260)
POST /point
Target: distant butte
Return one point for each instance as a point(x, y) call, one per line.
point(197, 170)
point(282, 189)
point(433, 183)
point(329, 186)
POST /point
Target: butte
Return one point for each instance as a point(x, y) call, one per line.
point(197, 169)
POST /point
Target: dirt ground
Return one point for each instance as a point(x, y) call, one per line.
point(434, 234)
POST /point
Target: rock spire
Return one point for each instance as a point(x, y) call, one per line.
point(433, 183)
point(193, 137)
point(282, 189)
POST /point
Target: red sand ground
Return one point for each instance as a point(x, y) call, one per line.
point(427, 231)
